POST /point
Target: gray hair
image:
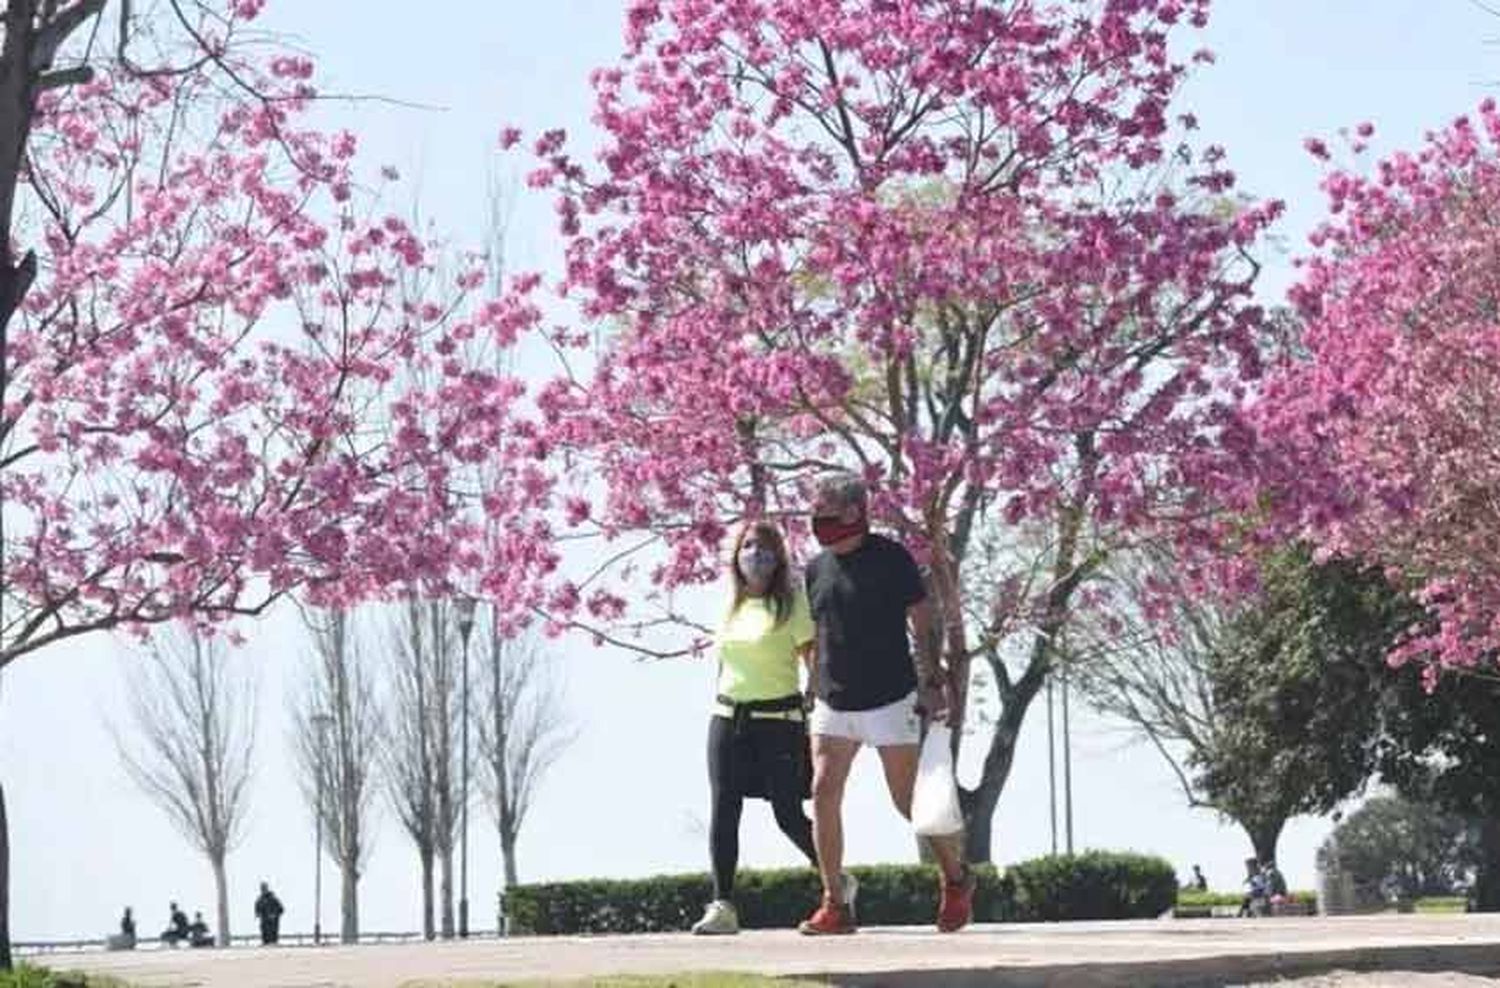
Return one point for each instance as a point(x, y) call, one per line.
point(847, 489)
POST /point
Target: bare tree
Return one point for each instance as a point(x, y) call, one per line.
point(420, 750)
point(523, 730)
point(196, 725)
point(338, 727)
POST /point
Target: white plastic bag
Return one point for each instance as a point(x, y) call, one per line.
point(934, 802)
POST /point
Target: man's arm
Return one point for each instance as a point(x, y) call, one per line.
point(924, 656)
point(932, 685)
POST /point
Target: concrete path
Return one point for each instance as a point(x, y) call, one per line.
point(1151, 952)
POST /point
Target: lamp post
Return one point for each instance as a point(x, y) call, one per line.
point(320, 722)
point(464, 608)
point(1067, 740)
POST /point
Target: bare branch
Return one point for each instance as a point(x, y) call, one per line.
point(337, 731)
point(195, 724)
point(523, 730)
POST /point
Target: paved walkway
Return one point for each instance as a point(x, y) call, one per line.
point(1151, 952)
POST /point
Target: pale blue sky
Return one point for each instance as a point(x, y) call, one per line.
point(630, 798)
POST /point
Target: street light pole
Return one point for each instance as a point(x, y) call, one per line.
point(465, 607)
point(320, 722)
point(1051, 766)
point(1067, 740)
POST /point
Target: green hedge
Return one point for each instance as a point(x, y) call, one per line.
point(1094, 885)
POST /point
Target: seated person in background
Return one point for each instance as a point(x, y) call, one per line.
point(1257, 894)
point(125, 939)
point(1275, 882)
point(198, 934)
point(177, 929)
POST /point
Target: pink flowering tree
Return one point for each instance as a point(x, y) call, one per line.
point(1383, 429)
point(227, 376)
point(956, 247)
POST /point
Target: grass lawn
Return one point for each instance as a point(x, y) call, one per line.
point(26, 976)
point(1441, 904)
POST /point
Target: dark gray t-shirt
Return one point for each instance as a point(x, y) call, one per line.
point(859, 603)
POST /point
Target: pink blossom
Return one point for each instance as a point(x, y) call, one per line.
point(762, 299)
point(185, 348)
point(1374, 443)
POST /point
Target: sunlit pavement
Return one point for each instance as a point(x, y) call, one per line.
point(1148, 952)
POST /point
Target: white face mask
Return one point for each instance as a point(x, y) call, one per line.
point(756, 564)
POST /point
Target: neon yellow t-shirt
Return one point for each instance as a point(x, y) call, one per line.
point(757, 657)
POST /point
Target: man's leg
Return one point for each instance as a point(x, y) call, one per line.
point(900, 764)
point(956, 907)
point(832, 758)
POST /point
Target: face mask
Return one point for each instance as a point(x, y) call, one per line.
point(830, 530)
point(756, 564)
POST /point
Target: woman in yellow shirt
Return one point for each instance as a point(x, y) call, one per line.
point(757, 737)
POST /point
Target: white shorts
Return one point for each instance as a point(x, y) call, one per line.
point(881, 727)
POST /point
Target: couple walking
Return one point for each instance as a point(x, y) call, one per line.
point(849, 626)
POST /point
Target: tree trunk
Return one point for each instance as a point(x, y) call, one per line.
point(508, 853)
point(446, 891)
point(979, 803)
point(349, 904)
point(1487, 884)
point(221, 889)
point(5, 962)
point(428, 929)
point(1264, 836)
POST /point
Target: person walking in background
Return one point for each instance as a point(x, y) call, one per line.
point(757, 736)
point(1199, 883)
point(268, 913)
point(864, 589)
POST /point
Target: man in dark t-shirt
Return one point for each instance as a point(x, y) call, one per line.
point(864, 589)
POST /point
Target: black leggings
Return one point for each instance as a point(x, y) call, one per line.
point(727, 761)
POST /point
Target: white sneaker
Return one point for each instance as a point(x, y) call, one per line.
point(719, 919)
point(849, 886)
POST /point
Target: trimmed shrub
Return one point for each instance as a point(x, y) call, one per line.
point(1095, 885)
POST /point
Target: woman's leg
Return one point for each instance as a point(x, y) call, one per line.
point(795, 823)
point(788, 785)
point(724, 819)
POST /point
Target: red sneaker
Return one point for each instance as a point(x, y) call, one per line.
point(957, 906)
point(830, 919)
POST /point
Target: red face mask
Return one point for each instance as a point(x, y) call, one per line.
point(830, 530)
